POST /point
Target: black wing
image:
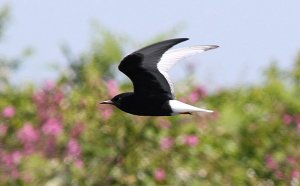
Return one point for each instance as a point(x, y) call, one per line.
point(141, 68)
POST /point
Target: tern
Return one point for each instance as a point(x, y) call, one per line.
point(153, 93)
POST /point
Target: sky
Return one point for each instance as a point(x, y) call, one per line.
point(251, 34)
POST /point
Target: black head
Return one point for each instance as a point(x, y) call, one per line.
point(117, 100)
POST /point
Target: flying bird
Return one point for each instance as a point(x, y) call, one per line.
point(153, 93)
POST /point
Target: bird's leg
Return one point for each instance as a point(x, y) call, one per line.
point(189, 113)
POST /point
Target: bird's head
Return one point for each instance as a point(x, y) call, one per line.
point(117, 100)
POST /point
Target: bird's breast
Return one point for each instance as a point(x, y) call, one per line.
point(147, 107)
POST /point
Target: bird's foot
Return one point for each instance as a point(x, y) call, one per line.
point(189, 113)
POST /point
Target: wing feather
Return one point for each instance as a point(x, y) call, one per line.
point(141, 68)
point(171, 57)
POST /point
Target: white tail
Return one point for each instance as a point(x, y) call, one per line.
point(179, 107)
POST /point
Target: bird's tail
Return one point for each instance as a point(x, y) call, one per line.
point(203, 110)
point(180, 107)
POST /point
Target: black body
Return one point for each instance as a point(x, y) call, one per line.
point(137, 105)
point(151, 89)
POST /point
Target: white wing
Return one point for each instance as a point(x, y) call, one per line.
point(171, 57)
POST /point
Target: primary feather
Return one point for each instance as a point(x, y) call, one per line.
point(171, 57)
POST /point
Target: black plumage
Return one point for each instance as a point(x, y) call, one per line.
point(141, 68)
point(152, 91)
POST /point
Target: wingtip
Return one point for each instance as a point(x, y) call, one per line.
point(182, 39)
point(210, 47)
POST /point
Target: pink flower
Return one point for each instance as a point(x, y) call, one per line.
point(12, 158)
point(191, 140)
point(74, 149)
point(11, 161)
point(197, 94)
point(16, 157)
point(74, 153)
point(9, 112)
point(279, 174)
point(79, 163)
point(292, 160)
point(295, 174)
point(58, 96)
point(297, 118)
point(77, 130)
point(166, 143)
point(106, 112)
point(287, 119)
point(49, 85)
point(271, 163)
point(52, 127)
point(39, 97)
point(50, 147)
point(160, 174)
point(27, 134)
point(193, 97)
point(113, 87)
point(15, 173)
point(3, 129)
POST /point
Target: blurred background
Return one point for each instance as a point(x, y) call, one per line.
point(58, 59)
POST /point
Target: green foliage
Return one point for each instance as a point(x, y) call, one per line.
point(58, 134)
point(4, 15)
